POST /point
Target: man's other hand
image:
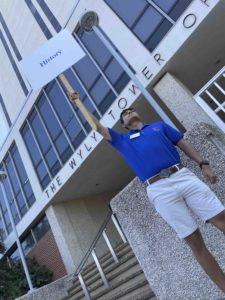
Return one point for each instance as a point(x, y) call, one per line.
point(208, 174)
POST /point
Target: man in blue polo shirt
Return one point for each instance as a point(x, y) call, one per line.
point(150, 150)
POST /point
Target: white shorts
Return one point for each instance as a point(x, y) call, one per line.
point(173, 196)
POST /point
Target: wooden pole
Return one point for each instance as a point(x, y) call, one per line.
point(78, 102)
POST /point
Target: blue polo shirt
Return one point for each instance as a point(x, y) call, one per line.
point(150, 152)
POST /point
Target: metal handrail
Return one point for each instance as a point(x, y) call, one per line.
point(93, 244)
point(91, 251)
point(210, 82)
point(205, 90)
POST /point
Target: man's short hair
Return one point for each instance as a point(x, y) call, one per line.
point(123, 112)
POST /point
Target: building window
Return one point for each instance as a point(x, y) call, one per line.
point(7, 226)
point(52, 19)
point(17, 189)
point(149, 20)
point(41, 228)
point(34, 235)
point(28, 243)
point(74, 127)
point(173, 8)
point(2, 103)
point(15, 255)
point(38, 18)
point(35, 155)
point(17, 184)
point(2, 229)
point(21, 175)
point(105, 78)
point(55, 128)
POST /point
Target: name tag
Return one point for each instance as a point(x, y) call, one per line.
point(135, 135)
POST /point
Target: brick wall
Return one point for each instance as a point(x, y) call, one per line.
point(46, 253)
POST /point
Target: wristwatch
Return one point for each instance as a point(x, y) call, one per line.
point(204, 162)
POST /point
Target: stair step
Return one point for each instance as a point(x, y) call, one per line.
point(115, 282)
point(105, 265)
point(126, 267)
point(126, 279)
point(108, 256)
point(116, 287)
point(142, 297)
point(120, 288)
point(141, 293)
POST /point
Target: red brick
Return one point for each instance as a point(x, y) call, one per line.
point(47, 253)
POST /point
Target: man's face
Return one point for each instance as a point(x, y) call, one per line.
point(129, 117)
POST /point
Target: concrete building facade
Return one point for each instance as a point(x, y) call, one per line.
point(61, 174)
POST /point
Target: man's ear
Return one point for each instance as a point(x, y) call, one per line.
point(123, 125)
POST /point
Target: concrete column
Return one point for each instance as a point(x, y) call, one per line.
point(62, 228)
point(75, 224)
point(180, 101)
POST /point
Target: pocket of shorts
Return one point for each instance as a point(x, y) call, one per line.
point(150, 195)
point(188, 172)
point(191, 173)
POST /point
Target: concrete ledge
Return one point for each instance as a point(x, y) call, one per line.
point(53, 291)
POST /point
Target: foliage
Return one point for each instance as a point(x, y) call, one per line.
point(13, 282)
point(2, 247)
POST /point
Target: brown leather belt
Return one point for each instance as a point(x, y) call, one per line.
point(157, 177)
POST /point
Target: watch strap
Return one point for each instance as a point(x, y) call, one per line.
point(204, 162)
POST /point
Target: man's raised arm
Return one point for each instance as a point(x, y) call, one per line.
point(99, 127)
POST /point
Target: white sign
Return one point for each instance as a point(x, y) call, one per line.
point(55, 56)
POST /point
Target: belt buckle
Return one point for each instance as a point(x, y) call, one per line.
point(164, 173)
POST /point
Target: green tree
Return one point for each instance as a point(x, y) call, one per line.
point(2, 248)
point(13, 282)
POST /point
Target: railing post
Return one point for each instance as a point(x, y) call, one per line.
point(102, 274)
point(213, 111)
point(84, 287)
point(118, 228)
point(110, 246)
